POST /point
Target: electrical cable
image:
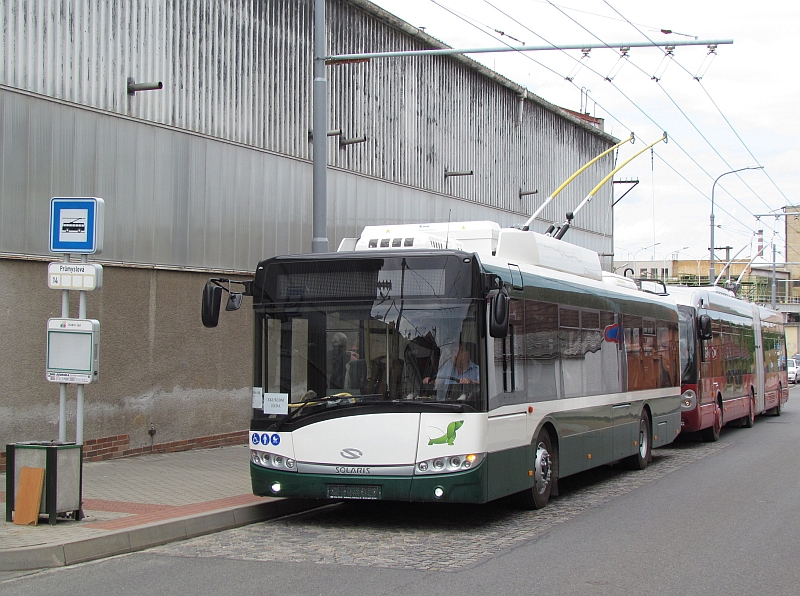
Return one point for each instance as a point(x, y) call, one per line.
point(645, 114)
point(669, 56)
point(710, 99)
point(470, 22)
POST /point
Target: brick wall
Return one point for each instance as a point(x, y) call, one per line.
point(119, 446)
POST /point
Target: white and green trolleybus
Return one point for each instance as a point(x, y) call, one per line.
point(453, 362)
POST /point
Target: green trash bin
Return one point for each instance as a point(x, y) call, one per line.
point(63, 476)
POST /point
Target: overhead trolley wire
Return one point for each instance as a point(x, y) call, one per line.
point(472, 22)
point(645, 114)
point(667, 55)
point(711, 99)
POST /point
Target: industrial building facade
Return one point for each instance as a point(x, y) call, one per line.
point(212, 173)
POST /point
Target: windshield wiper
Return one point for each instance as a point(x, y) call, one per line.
point(311, 400)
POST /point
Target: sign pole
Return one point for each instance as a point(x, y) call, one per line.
point(62, 389)
point(76, 227)
point(79, 412)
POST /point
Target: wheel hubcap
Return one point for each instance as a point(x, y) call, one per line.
point(542, 469)
point(643, 439)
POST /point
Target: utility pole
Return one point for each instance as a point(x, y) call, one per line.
point(774, 281)
point(319, 241)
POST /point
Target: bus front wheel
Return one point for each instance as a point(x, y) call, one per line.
point(640, 460)
point(544, 468)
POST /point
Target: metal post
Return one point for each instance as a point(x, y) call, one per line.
point(79, 412)
point(774, 283)
point(319, 242)
point(62, 387)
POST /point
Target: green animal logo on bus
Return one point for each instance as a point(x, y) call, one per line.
point(450, 436)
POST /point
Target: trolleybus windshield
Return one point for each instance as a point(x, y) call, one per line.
point(400, 334)
point(688, 335)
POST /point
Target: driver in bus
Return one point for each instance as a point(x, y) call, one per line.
point(460, 369)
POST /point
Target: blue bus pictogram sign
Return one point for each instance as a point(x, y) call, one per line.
point(76, 225)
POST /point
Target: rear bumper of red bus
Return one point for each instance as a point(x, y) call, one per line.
point(698, 417)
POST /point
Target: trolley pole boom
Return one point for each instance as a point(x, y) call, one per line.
point(555, 193)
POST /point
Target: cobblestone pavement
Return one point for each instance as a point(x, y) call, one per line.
point(428, 536)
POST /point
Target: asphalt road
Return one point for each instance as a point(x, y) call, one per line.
point(702, 519)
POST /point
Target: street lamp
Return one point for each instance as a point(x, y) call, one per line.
point(680, 252)
point(648, 247)
point(711, 274)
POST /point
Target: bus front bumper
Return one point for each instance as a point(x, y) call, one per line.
point(459, 487)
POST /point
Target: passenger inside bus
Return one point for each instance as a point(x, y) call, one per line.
point(338, 357)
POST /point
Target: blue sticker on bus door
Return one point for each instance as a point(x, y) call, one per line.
point(275, 440)
point(265, 439)
point(255, 439)
point(611, 333)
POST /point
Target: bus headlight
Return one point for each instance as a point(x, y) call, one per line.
point(451, 463)
point(688, 400)
point(272, 461)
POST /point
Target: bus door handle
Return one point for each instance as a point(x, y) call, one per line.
point(621, 406)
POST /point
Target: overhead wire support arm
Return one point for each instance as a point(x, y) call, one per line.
point(337, 58)
point(633, 184)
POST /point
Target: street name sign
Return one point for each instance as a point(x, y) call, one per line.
point(74, 276)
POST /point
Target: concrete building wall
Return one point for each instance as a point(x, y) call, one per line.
point(158, 365)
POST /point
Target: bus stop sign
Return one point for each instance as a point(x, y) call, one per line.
point(76, 225)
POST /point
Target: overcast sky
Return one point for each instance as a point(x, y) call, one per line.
point(753, 83)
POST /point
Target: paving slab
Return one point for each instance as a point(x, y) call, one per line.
point(139, 502)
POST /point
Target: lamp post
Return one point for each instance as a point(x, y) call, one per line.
point(648, 247)
point(711, 274)
point(680, 252)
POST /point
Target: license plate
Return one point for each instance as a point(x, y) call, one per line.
point(353, 491)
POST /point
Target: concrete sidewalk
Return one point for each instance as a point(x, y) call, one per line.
point(138, 502)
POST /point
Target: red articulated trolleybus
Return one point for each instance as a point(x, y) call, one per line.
point(733, 360)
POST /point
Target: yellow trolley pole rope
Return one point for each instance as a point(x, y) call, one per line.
point(590, 196)
point(570, 179)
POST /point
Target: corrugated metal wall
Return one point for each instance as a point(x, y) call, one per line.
point(240, 71)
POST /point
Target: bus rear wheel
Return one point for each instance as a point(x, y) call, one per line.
point(779, 408)
point(750, 419)
point(544, 468)
point(640, 460)
point(711, 434)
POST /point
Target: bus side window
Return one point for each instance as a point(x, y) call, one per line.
point(540, 342)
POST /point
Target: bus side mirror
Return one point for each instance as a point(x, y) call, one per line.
point(212, 297)
point(704, 326)
point(498, 314)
